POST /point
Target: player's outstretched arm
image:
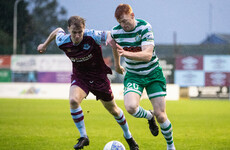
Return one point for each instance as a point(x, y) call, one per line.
point(144, 55)
point(110, 40)
point(42, 47)
point(119, 69)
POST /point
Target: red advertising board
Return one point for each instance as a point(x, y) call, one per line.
point(5, 61)
point(215, 68)
point(189, 63)
point(217, 79)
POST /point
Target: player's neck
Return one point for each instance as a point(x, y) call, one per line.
point(75, 43)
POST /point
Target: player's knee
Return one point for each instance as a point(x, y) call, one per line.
point(74, 102)
point(131, 109)
point(160, 116)
point(114, 112)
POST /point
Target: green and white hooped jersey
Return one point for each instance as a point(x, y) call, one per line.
point(132, 41)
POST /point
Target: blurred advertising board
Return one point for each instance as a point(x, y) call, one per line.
point(61, 91)
point(5, 75)
point(5, 61)
point(53, 63)
point(23, 63)
point(34, 90)
point(216, 63)
point(207, 70)
point(215, 92)
point(186, 78)
point(189, 63)
point(217, 78)
point(54, 77)
point(24, 76)
point(41, 68)
point(167, 66)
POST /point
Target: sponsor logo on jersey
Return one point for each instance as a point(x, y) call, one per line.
point(132, 49)
point(83, 59)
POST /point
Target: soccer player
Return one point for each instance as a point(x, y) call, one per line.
point(89, 74)
point(135, 42)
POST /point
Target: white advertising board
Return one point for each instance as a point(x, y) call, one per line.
point(215, 63)
point(23, 63)
point(41, 63)
point(189, 78)
point(53, 63)
point(34, 90)
point(61, 91)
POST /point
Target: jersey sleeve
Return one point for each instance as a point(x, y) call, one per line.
point(99, 36)
point(147, 36)
point(61, 38)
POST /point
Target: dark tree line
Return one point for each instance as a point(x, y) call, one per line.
point(35, 20)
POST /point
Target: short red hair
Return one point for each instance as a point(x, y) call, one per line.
point(122, 9)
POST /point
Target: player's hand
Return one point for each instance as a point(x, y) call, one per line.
point(119, 69)
point(120, 50)
point(110, 41)
point(41, 48)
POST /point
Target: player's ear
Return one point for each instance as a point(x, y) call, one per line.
point(132, 15)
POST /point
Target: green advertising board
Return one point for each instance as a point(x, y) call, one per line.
point(5, 75)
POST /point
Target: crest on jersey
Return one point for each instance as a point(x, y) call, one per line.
point(86, 47)
point(138, 38)
point(68, 50)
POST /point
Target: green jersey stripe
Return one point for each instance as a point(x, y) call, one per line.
point(142, 68)
point(141, 62)
point(144, 32)
point(145, 39)
point(137, 61)
point(127, 40)
point(142, 72)
point(118, 27)
point(123, 44)
point(137, 66)
point(128, 35)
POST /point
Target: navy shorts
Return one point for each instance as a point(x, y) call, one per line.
point(100, 87)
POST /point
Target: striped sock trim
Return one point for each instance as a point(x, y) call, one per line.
point(166, 130)
point(121, 118)
point(140, 113)
point(77, 114)
point(124, 125)
point(78, 118)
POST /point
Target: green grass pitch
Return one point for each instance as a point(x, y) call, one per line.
point(47, 125)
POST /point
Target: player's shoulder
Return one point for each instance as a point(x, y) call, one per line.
point(88, 32)
point(142, 22)
point(93, 33)
point(62, 38)
point(116, 29)
point(98, 36)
